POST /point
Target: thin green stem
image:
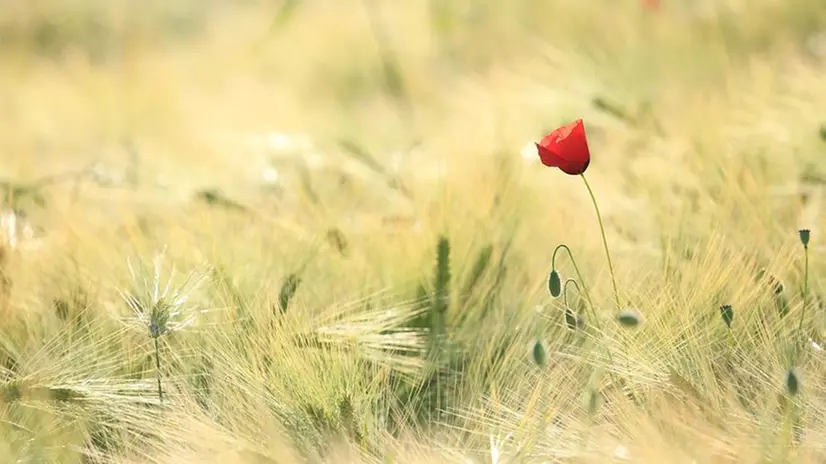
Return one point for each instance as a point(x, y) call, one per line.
point(587, 293)
point(578, 276)
point(565, 290)
point(158, 369)
point(604, 242)
point(729, 337)
point(805, 289)
point(556, 250)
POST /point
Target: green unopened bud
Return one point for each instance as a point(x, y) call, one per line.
point(554, 284)
point(570, 319)
point(792, 383)
point(728, 314)
point(629, 319)
point(538, 353)
point(805, 234)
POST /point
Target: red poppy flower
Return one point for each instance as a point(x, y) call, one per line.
point(651, 4)
point(566, 148)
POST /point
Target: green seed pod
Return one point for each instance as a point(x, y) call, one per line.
point(792, 383)
point(728, 314)
point(538, 353)
point(554, 284)
point(628, 319)
point(805, 235)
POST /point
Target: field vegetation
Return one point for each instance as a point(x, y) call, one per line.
point(316, 231)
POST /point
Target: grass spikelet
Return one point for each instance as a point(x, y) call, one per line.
point(441, 292)
point(727, 313)
point(480, 265)
point(214, 197)
point(602, 104)
point(338, 240)
point(777, 290)
point(161, 307)
point(288, 288)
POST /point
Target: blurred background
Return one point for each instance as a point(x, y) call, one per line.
point(372, 115)
point(189, 94)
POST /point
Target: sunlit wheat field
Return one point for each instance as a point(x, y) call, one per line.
point(315, 231)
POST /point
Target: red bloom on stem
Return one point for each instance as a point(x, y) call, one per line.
point(566, 148)
point(651, 4)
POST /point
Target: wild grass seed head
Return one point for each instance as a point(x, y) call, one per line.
point(160, 305)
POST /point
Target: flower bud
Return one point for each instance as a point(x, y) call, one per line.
point(538, 353)
point(570, 319)
point(792, 383)
point(628, 319)
point(554, 284)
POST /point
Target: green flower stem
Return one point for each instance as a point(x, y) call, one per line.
point(565, 290)
point(729, 341)
point(158, 369)
point(578, 276)
point(587, 293)
point(805, 289)
point(604, 242)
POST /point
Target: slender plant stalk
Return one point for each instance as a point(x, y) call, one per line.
point(158, 369)
point(729, 338)
point(565, 290)
point(805, 289)
point(578, 276)
point(586, 292)
point(604, 242)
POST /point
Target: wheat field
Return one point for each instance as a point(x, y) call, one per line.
point(319, 232)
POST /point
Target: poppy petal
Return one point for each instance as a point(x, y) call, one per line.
point(566, 148)
point(548, 157)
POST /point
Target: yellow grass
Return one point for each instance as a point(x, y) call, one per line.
point(146, 110)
